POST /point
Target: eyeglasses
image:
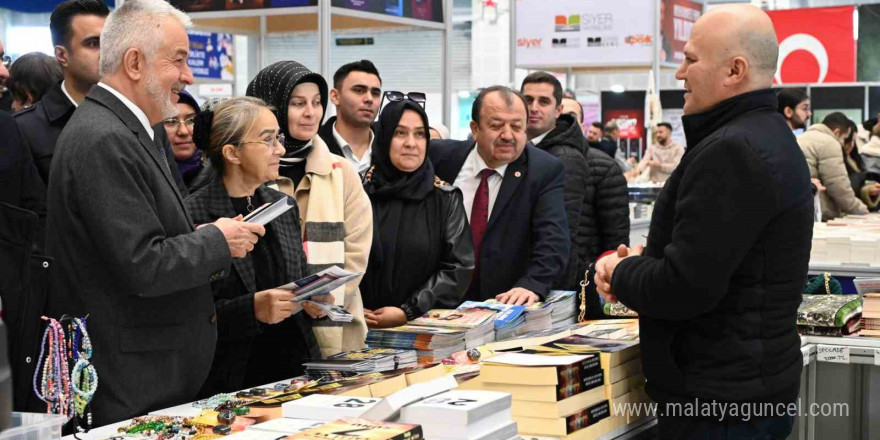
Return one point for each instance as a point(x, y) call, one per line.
point(268, 143)
point(394, 96)
point(6, 61)
point(173, 123)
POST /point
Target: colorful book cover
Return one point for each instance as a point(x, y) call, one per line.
point(588, 416)
point(450, 318)
point(361, 429)
point(507, 313)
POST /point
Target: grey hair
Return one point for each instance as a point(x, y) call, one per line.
point(136, 24)
point(233, 118)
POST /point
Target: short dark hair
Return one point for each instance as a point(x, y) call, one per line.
point(580, 107)
point(598, 125)
point(544, 78)
point(836, 121)
point(789, 98)
point(506, 93)
point(357, 66)
point(665, 124)
point(853, 130)
point(62, 16)
point(33, 74)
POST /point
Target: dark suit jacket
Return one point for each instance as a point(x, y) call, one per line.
point(527, 240)
point(41, 125)
point(237, 325)
point(326, 133)
point(129, 256)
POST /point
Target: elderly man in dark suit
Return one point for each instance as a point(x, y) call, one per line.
point(128, 253)
point(513, 195)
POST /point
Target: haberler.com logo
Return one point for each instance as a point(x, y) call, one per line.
point(566, 43)
point(529, 43)
point(638, 40)
point(570, 23)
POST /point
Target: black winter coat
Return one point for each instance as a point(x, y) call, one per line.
point(605, 220)
point(567, 143)
point(237, 325)
point(41, 125)
point(719, 285)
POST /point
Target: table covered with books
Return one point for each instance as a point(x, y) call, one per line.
point(482, 371)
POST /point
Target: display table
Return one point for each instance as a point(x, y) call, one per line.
point(845, 270)
point(638, 231)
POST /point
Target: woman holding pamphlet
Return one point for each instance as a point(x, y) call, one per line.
point(337, 223)
point(262, 337)
point(422, 255)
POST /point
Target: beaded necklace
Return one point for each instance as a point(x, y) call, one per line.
point(84, 375)
point(55, 387)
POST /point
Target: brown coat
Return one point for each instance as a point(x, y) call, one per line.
point(825, 159)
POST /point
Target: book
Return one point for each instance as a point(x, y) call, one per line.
point(611, 352)
point(623, 371)
point(285, 425)
point(598, 430)
point(541, 393)
point(363, 361)
point(529, 339)
point(390, 406)
point(459, 414)
point(326, 408)
point(562, 408)
point(361, 429)
point(506, 430)
point(563, 426)
point(535, 369)
point(461, 319)
point(334, 312)
point(269, 211)
point(621, 387)
point(320, 283)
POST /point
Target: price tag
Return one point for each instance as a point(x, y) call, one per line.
point(833, 353)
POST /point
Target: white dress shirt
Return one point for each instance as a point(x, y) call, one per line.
point(362, 164)
point(468, 181)
point(131, 106)
point(537, 140)
point(64, 89)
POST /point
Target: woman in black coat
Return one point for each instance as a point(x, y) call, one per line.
point(422, 255)
point(262, 337)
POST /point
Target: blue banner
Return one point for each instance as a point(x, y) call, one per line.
point(211, 55)
point(38, 6)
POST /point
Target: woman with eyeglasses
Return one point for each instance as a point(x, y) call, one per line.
point(422, 255)
point(261, 335)
point(337, 226)
point(180, 135)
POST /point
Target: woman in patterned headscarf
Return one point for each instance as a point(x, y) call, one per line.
point(337, 217)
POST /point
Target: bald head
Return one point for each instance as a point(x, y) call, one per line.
point(732, 50)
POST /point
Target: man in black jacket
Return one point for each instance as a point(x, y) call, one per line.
point(560, 135)
point(76, 27)
point(513, 195)
point(719, 284)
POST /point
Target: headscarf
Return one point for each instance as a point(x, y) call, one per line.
point(386, 180)
point(190, 167)
point(274, 85)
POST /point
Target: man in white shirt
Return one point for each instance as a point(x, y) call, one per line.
point(512, 194)
point(128, 254)
point(76, 28)
point(357, 95)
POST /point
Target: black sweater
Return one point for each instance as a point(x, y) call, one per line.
point(719, 286)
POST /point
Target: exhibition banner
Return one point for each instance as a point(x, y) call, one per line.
point(631, 122)
point(583, 33)
point(816, 45)
point(431, 10)
point(231, 5)
point(869, 43)
point(677, 18)
point(211, 55)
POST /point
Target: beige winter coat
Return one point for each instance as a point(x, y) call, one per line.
point(669, 157)
point(825, 158)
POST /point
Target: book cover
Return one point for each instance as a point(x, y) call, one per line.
point(326, 407)
point(449, 318)
point(456, 407)
point(361, 429)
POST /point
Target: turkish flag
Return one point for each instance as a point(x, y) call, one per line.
point(816, 45)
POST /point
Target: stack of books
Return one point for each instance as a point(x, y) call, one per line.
point(508, 320)
point(870, 315)
point(565, 307)
point(368, 360)
point(553, 396)
point(432, 344)
point(360, 429)
point(478, 324)
point(620, 360)
point(463, 415)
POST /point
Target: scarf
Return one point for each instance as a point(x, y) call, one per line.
point(190, 167)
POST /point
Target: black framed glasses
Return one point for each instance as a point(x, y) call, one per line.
point(394, 96)
point(7, 61)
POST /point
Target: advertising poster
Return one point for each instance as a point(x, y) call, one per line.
point(431, 10)
point(394, 7)
point(816, 45)
point(211, 55)
point(230, 5)
point(869, 43)
point(631, 122)
point(583, 33)
point(677, 18)
point(422, 9)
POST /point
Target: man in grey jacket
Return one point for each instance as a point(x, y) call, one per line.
point(128, 254)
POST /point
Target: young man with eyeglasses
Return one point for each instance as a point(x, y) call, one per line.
point(76, 27)
point(357, 95)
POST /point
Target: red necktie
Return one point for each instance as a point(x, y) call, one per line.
point(479, 221)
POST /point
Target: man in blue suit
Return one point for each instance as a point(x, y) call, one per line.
point(513, 198)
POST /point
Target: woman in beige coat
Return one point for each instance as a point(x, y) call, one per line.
point(336, 213)
point(822, 145)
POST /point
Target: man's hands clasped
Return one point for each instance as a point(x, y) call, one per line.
point(605, 270)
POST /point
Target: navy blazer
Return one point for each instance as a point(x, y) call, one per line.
point(527, 240)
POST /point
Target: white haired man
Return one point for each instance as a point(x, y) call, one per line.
point(128, 254)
